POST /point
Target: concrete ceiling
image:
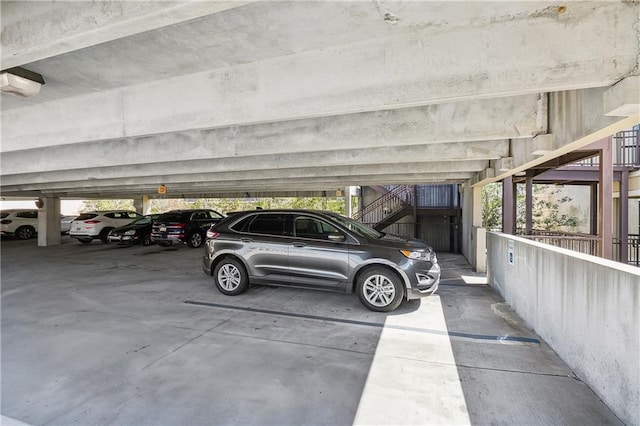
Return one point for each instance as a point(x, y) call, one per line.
point(229, 98)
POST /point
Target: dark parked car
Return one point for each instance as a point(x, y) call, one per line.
point(136, 232)
point(319, 250)
point(184, 226)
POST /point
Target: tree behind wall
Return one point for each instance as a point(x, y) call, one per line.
point(223, 205)
point(547, 209)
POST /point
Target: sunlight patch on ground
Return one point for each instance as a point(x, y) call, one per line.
point(470, 279)
point(413, 378)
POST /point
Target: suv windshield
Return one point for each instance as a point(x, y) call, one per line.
point(356, 227)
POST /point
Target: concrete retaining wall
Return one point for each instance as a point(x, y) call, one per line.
point(586, 308)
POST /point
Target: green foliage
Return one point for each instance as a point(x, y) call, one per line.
point(547, 208)
point(492, 206)
point(90, 205)
point(223, 205)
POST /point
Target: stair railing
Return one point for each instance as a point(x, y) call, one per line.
point(398, 198)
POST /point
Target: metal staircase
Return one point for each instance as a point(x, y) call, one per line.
point(387, 209)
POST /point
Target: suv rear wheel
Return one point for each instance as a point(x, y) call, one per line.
point(194, 240)
point(25, 232)
point(379, 289)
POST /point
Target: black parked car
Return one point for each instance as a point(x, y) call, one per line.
point(184, 226)
point(136, 232)
point(321, 250)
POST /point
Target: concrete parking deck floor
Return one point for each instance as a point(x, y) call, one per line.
point(106, 334)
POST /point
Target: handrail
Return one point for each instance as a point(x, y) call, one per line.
point(400, 196)
point(626, 146)
point(588, 244)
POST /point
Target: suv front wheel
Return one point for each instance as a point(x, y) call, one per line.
point(104, 235)
point(230, 277)
point(379, 289)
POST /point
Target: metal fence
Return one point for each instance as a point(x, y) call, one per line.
point(583, 243)
point(633, 250)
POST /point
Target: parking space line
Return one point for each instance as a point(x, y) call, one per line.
point(453, 334)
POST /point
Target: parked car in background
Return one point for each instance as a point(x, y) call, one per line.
point(65, 223)
point(184, 226)
point(136, 232)
point(318, 250)
point(19, 223)
point(97, 224)
point(23, 223)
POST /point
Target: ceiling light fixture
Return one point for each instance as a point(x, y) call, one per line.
point(21, 82)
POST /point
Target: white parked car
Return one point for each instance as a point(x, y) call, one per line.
point(19, 223)
point(97, 224)
point(65, 223)
point(23, 223)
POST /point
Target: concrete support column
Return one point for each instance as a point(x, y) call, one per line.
point(348, 201)
point(476, 206)
point(49, 233)
point(142, 204)
point(474, 236)
point(508, 203)
point(605, 198)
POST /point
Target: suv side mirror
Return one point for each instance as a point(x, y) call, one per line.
point(336, 237)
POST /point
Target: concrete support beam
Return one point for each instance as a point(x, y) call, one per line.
point(105, 118)
point(623, 98)
point(49, 233)
point(55, 181)
point(34, 36)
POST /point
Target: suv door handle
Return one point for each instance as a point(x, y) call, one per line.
point(246, 240)
point(299, 245)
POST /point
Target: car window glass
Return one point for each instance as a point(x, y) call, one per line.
point(110, 215)
point(28, 215)
point(86, 216)
point(309, 227)
point(170, 217)
point(198, 216)
point(270, 224)
point(214, 215)
point(3, 215)
point(243, 225)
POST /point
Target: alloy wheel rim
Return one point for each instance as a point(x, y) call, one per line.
point(229, 277)
point(379, 290)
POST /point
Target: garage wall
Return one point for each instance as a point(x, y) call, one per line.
point(586, 308)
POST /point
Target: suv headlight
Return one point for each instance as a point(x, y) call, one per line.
point(428, 256)
point(131, 232)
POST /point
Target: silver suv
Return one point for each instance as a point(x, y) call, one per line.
point(318, 250)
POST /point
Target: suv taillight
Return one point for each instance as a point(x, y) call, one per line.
point(92, 222)
point(212, 234)
point(5, 222)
